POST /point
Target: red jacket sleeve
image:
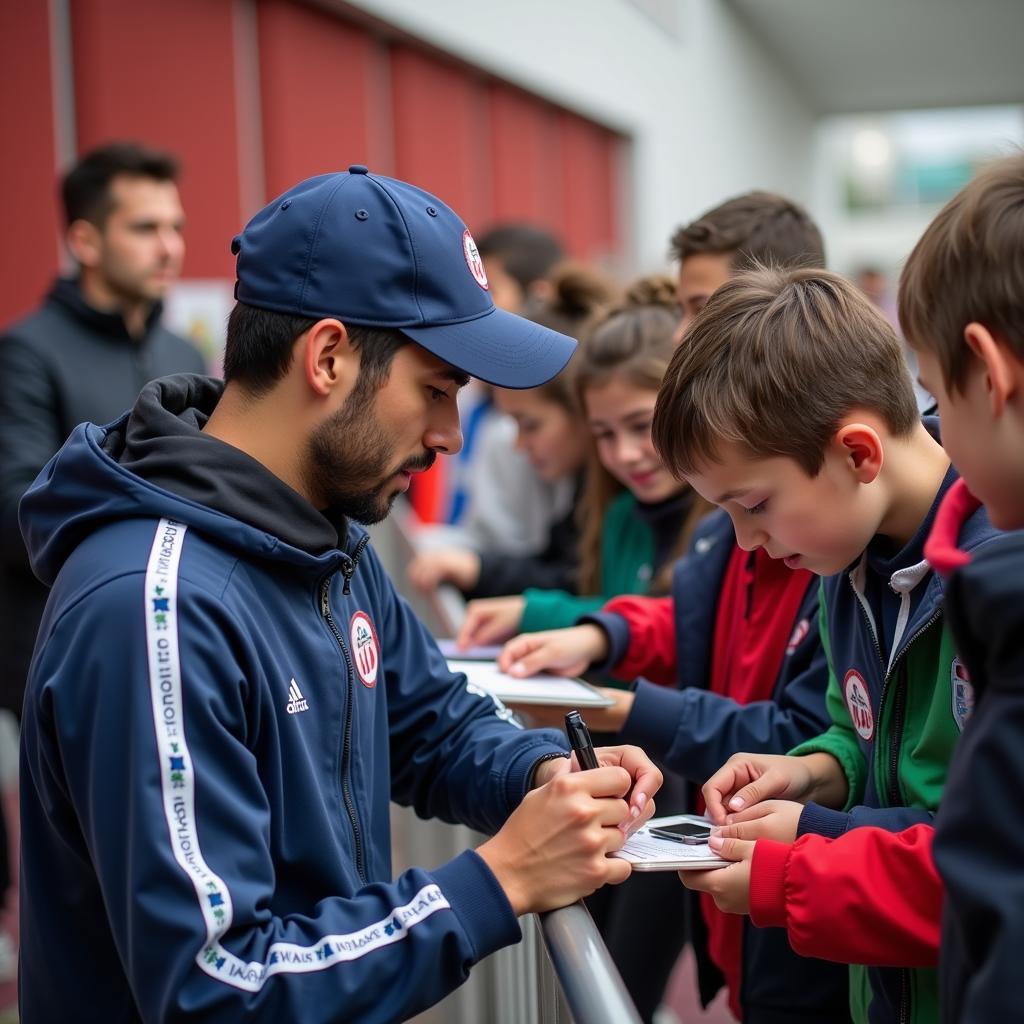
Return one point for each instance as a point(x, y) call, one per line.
point(652, 638)
point(868, 897)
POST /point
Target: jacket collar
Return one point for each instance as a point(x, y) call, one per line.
point(957, 508)
point(67, 293)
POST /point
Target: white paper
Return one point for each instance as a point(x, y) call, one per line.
point(484, 652)
point(539, 689)
point(650, 853)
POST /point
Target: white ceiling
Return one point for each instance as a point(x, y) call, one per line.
point(850, 56)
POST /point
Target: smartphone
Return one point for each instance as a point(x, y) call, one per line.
point(689, 832)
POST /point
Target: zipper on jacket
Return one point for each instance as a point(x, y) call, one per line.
point(348, 567)
point(874, 636)
point(346, 750)
point(892, 784)
point(896, 736)
point(749, 573)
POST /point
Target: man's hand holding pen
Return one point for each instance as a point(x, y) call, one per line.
point(554, 847)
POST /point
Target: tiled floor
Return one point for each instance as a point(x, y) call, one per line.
point(681, 999)
point(9, 794)
point(9, 917)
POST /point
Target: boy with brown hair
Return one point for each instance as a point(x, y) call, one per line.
point(790, 405)
point(746, 230)
point(730, 661)
point(960, 308)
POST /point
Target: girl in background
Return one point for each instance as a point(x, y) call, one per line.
point(635, 518)
point(552, 433)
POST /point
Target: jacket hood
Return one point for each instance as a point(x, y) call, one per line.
point(941, 548)
point(155, 462)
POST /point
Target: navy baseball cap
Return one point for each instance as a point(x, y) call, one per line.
point(378, 252)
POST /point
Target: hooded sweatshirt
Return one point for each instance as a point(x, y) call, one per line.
point(226, 693)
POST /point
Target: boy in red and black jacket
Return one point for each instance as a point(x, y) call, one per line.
point(731, 661)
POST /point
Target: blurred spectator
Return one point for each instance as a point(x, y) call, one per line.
point(87, 351)
point(875, 284)
point(84, 355)
point(553, 436)
point(519, 259)
point(496, 500)
point(757, 227)
point(635, 517)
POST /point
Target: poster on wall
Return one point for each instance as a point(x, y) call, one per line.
point(198, 309)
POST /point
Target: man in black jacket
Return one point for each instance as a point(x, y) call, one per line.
point(86, 352)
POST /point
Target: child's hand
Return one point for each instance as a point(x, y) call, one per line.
point(490, 620)
point(770, 819)
point(458, 566)
point(747, 779)
point(562, 652)
point(728, 887)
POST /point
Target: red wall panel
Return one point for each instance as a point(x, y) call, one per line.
point(440, 137)
point(441, 145)
point(589, 188)
point(315, 86)
point(28, 174)
point(524, 138)
point(165, 74)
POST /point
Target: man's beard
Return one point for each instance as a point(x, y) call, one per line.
point(350, 459)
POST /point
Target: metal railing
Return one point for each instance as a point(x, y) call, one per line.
point(590, 982)
point(561, 971)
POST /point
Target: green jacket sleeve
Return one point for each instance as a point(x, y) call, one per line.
point(627, 547)
point(556, 609)
point(839, 739)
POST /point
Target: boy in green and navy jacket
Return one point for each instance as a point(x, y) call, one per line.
point(960, 305)
point(892, 696)
point(790, 405)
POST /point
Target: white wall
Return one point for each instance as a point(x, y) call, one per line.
point(884, 238)
point(710, 114)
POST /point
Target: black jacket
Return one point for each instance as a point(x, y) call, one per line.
point(979, 831)
point(62, 365)
point(554, 568)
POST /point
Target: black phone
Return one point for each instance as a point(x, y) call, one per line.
point(689, 832)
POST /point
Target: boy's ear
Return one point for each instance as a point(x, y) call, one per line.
point(861, 449)
point(1002, 368)
point(328, 358)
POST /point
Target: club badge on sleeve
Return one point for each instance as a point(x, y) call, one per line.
point(365, 648)
point(962, 693)
point(858, 703)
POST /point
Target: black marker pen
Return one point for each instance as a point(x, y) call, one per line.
point(580, 741)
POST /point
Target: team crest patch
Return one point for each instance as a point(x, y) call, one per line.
point(858, 704)
point(963, 693)
point(473, 260)
point(365, 648)
point(803, 627)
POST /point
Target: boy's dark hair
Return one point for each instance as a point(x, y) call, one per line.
point(759, 228)
point(773, 363)
point(527, 252)
point(969, 266)
point(259, 345)
point(85, 190)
